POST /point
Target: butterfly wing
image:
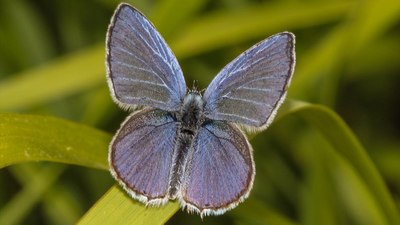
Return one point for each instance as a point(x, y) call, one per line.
point(250, 88)
point(140, 155)
point(141, 68)
point(220, 170)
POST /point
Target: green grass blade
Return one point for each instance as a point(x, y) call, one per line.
point(318, 69)
point(33, 138)
point(354, 193)
point(315, 70)
point(66, 76)
point(116, 207)
point(31, 42)
point(61, 205)
point(339, 135)
point(169, 16)
point(257, 21)
point(27, 138)
point(21, 204)
point(84, 70)
point(256, 212)
point(319, 203)
point(372, 19)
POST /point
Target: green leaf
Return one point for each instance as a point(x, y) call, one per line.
point(319, 204)
point(65, 76)
point(23, 202)
point(169, 16)
point(372, 20)
point(319, 68)
point(32, 138)
point(116, 207)
point(315, 69)
point(355, 194)
point(234, 27)
point(342, 139)
point(27, 138)
point(31, 42)
point(256, 212)
point(84, 70)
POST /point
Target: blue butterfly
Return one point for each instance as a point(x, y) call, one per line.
point(180, 144)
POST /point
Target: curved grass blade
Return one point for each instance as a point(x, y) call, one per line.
point(256, 212)
point(22, 203)
point(32, 138)
point(116, 207)
point(66, 76)
point(319, 201)
point(358, 200)
point(345, 143)
point(340, 46)
point(196, 39)
point(27, 138)
point(251, 22)
point(171, 15)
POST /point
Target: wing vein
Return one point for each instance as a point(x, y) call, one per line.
point(235, 115)
point(156, 75)
point(242, 100)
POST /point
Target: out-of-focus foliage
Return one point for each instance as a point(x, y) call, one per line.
point(312, 168)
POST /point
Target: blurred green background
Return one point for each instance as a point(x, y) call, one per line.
point(348, 59)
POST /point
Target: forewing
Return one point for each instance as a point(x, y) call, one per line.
point(141, 68)
point(140, 155)
point(250, 88)
point(220, 169)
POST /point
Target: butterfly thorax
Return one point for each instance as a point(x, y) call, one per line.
point(191, 114)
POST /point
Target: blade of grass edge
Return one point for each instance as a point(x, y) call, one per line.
point(27, 138)
point(21, 130)
point(31, 138)
point(116, 207)
point(14, 211)
point(340, 136)
point(62, 77)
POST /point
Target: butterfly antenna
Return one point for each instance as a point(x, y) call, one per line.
point(194, 87)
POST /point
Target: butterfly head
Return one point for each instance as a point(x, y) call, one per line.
point(192, 110)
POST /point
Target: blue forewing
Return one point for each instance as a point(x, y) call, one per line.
point(250, 89)
point(182, 145)
point(141, 68)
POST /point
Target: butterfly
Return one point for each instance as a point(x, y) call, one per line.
point(181, 144)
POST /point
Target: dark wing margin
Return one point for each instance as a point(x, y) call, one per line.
point(140, 155)
point(250, 89)
point(141, 68)
point(220, 170)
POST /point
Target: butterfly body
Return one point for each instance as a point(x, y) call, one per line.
point(182, 145)
point(189, 118)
